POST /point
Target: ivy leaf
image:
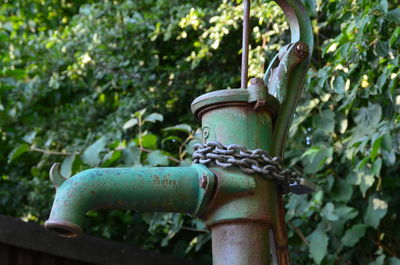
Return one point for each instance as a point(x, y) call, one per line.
point(156, 158)
point(365, 178)
point(66, 166)
point(18, 151)
point(354, 234)
point(342, 190)
point(324, 121)
point(376, 210)
point(91, 156)
point(318, 245)
point(329, 212)
point(368, 118)
point(154, 117)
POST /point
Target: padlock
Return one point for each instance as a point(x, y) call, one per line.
point(301, 186)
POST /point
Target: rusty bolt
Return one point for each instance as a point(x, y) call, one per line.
point(302, 49)
point(203, 182)
point(257, 81)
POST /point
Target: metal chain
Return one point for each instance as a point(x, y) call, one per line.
point(257, 161)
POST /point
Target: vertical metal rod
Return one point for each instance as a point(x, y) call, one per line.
point(245, 44)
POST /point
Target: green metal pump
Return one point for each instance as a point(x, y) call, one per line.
point(236, 182)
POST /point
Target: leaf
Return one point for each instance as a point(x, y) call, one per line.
point(382, 6)
point(91, 155)
point(179, 127)
point(66, 166)
point(368, 118)
point(342, 190)
point(344, 214)
point(378, 261)
point(156, 158)
point(154, 117)
point(111, 157)
point(329, 212)
point(354, 234)
point(376, 167)
point(318, 245)
point(339, 85)
point(18, 151)
point(375, 148)
point(394, 15)
point(324, 121)
point(394, 36)
point(131, 155)
point(394, 261)
point(382, 48)
point(139, 113)
point(29, 137)
point(389, 157)
point(367, 179)
point(316, 157)
point(149, 141)
point(376, 210)
point(130, 123)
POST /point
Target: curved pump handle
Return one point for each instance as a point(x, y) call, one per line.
point(284, 78)
point(286, 73)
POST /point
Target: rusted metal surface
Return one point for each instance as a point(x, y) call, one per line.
point(239, 217)
point(237, 97)
point(168, 189)
point(239, 243)
point(302, 37)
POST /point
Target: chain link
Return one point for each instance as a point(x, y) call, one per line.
point(257, 161)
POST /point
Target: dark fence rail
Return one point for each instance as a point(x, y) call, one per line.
point(24, 243)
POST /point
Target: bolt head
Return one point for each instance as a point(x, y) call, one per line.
point(203, 182)
point(302, 49)
point(256, 81)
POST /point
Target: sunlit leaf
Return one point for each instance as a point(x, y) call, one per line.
point(154, 117)
point(376, 210)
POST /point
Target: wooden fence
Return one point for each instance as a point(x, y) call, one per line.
point(24, 243)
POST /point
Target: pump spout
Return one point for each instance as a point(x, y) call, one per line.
point(163, 189)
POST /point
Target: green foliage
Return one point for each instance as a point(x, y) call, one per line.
point(109, 84)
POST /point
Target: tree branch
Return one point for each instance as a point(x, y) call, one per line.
point(299, 233)
point(51, 152)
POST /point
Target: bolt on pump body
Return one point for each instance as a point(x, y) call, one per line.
point(236, 182)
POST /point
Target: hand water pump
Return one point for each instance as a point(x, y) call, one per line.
point(236, 182)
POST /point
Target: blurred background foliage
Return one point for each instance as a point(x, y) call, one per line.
point(109, 84)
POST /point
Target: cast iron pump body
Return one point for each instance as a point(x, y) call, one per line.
point(243, 211)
